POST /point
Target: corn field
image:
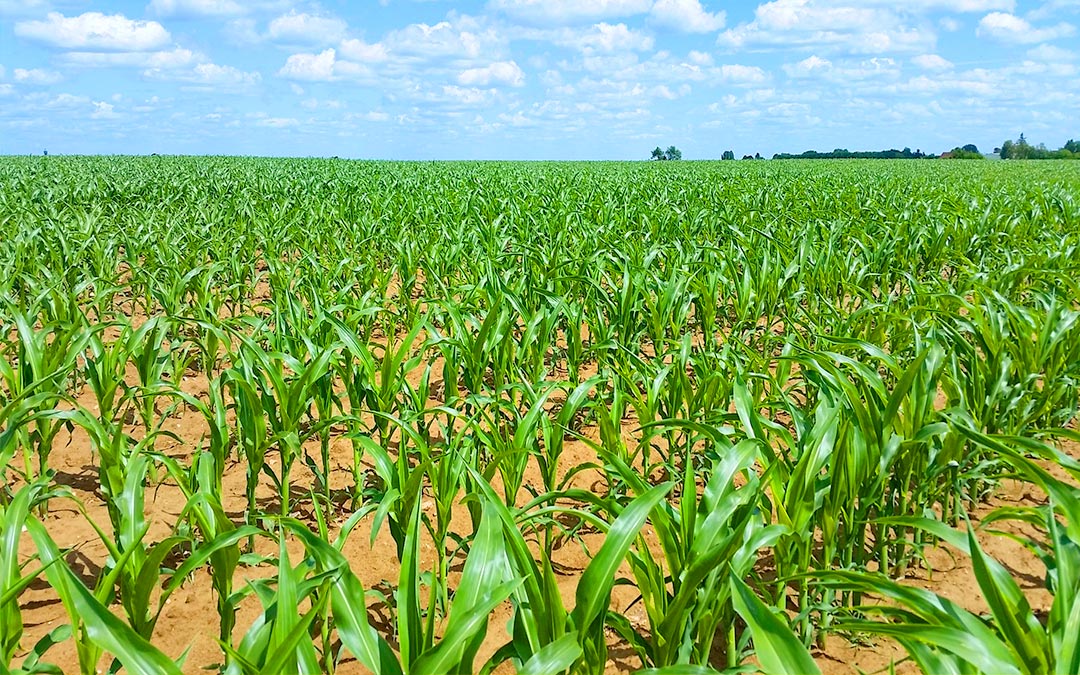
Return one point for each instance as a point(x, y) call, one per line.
point(304, 416)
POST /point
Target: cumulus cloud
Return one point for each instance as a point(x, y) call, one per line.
point(847, 72)
point(208, 75)
point(687, 16)
point(321, 67)
point(306, 29)
point(277, 122)
point(931, 62)
point(807, 67)
point(700, 58)
point(371, 116)
point(358, 50)
point(602, 37)
point(462, 37)
point(734, 72)
point(1050, 53)
point(955, 6)
point(172, 58)
point(1011, 28)
point(194, 8)
point(864, 29)
point(559, 12)
point(94, 30)
point(102, 110)
point(500, 72)
point(468, 96)
point(312, 67)
point(35, 76)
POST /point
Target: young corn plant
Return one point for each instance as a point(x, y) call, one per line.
point(940, 636)
point(42, 369)
point(14, 579)
point(702, 541)
point(96, 630)
point(277, 391)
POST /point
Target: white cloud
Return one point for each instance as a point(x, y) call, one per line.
point(603, 37)
point(209, 75)
point(500, 72)
point(863, 29)
point(277, 122)
point(1050, 8)
point(468, 96)
point(687, 16)
point(958, 6)
point(94, 30)
point(102, 110)
point(321, 67)
point(1051, 54)
point(326, 104)
point(462, 37)
point(700, 58)
point(805, 15)
point(734, 72)
point(557, 12)
point(964, 85)
point(193, 8)
point(6, 90)
point(807, 67)
point(358, 50)
point(35, 76)
point(1011, 28)
point(296, 28)
point(931, 62)
point(371, 116)
point(845, 73)
point(174, 58)
point(312, 67)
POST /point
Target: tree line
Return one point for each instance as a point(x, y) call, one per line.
point(1018, 149)
point(1021, 149)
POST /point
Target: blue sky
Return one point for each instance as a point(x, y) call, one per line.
point(533, 79)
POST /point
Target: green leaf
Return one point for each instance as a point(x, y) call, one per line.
point(102, 627)
point(777, 649)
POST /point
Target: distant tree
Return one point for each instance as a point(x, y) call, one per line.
point(1072, 146)
point(747, 156)
point(662, 155)
point(970, 147)
point(963, 153)
point(1021, 149)
point(728, 154)
point(757, 155)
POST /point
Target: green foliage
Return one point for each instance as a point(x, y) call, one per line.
point(671, 153)
point(736, 387)
point(967, 152)
point(1021, 149)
